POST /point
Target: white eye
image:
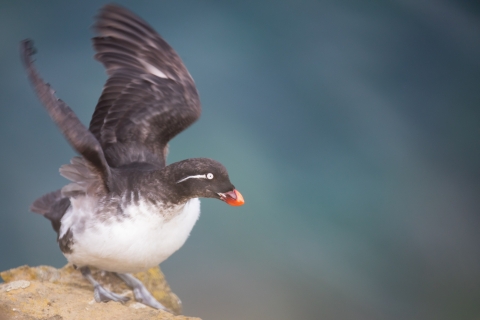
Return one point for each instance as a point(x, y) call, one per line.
point(209, 176)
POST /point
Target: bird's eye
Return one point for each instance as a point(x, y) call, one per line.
point(209, 176)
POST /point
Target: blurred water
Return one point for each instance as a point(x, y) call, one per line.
point(350, 127)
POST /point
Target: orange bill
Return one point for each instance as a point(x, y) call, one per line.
point(233, 198)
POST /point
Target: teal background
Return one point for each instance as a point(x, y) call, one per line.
point(352, 128)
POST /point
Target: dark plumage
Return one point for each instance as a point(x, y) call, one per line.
point(125, 210)
point(138, 110)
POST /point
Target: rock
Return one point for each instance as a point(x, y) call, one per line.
point(20, 284)
point(47, 293)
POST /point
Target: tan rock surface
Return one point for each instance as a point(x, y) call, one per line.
point(47, 293)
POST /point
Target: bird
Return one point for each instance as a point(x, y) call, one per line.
point(125, 210)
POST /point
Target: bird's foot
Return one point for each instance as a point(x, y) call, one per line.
point(141, 293)
point(100, 293)
point(103, 295)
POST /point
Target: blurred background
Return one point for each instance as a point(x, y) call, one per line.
point(352, 128)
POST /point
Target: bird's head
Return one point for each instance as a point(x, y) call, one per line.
point(207, 178)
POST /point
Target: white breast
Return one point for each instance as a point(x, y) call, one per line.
point(143, 239)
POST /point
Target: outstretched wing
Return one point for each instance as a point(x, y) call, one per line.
point(74, 131)
point(149, 97)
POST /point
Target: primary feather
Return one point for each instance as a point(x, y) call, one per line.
point(149, 97)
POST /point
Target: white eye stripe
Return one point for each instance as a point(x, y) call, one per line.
point(208, 176)
point(198, 176)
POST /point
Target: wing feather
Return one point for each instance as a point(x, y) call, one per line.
point(74, 131)
point(149, 97)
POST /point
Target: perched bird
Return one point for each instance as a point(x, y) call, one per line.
point(125, 210)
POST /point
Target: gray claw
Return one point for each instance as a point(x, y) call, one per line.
point(141, 293)
point(143, 296)
point(100, 293)
point(103, 295)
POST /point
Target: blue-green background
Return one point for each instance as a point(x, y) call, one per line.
point(352, 128)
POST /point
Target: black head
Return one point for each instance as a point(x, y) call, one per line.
point(206, 178)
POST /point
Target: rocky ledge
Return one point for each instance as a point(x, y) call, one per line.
point(46, 293)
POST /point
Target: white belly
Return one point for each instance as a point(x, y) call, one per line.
point(140, 241)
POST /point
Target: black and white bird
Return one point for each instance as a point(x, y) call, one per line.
point(125, 210)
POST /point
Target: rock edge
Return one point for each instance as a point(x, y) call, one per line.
point(47, 293)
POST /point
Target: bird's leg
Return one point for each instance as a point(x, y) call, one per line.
point(100, 293)
point(141, 293)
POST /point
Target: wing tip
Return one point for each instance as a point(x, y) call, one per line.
point(27, 50)
point(112, 11)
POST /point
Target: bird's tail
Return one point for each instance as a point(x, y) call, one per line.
point(52, 206)
point(44, 204)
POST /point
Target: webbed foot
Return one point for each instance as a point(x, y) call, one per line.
point(103, 295)
point(141, 293)
point(100, 293)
